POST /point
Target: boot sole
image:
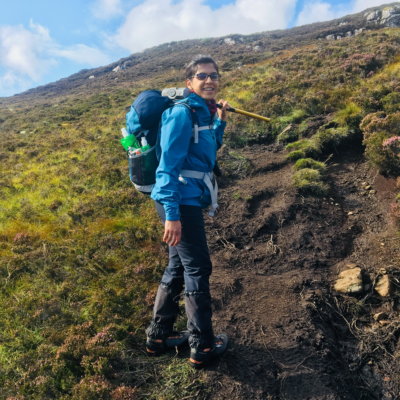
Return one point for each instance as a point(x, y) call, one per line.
point(200, 364)
point(170, 343)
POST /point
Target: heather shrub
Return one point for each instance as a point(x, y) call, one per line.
point(124, 393)
point(391, 103)
point(382, 147)
point(92, 388)
point(394, 214)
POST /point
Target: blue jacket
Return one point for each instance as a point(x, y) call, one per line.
point(180, 152)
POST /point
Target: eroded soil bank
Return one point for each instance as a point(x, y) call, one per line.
point(276, 255)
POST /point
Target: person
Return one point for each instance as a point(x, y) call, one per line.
point(180, 199)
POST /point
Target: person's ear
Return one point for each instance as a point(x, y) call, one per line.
point(189, 84)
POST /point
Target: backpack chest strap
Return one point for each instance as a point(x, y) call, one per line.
point(197, 129)
point(207, 178)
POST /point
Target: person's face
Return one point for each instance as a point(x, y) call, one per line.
point(208, 88)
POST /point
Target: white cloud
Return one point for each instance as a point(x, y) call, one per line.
point(317, 11)
point(105, 9)
point(361, 5)
point(159, 21)
point(27, 55)
point(82, 54)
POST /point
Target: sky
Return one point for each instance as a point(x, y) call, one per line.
point(43, 41)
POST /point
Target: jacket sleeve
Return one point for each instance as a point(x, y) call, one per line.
point(176, 132)
point(219, 129)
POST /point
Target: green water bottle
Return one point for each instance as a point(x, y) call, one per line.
point(128, 140)
point(145, 145)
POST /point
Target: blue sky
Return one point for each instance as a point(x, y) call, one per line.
point(42, 41)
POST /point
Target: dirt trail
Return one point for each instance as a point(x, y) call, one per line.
point(273, 252)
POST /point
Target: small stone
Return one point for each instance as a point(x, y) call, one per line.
point(337, 204)
point(386, 379)
point(380, 316)
point(363, 193)
point(384, 322)
point(367, 187)
point(349, 281)
point(350, 213)
point(370, 362)
point(382, 244)
point(364, 184)
point(372, 192)
point(384, 286)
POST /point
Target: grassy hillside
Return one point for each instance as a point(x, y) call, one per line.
point(80, 252)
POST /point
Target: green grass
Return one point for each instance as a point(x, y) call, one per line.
point(310, 163)
point(80, 250)
point(309, 181)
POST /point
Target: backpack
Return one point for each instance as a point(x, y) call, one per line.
point(144, 120)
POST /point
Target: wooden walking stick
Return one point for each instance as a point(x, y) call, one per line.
point(248, 114)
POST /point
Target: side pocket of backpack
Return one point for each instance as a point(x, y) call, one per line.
point(142, 170)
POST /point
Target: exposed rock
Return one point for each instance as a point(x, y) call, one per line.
point(229, 41)
point(91, 77)
point(256, 48)
point(372, 192)
point(380, 316)
point(384, 322)
point(339, 38)
point(331, 37)
point(390, 11)
point(349, 281)
point(374, 15)
point(367, 187)
point(393, 21)
point(384, 287)
point(116, 69)
point(390, 17)
point(349, 34)
point(358, 32)
point(343, 23)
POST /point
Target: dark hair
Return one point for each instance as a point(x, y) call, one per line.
point(192, 67)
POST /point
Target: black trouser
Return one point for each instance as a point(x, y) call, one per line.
point(189, 264)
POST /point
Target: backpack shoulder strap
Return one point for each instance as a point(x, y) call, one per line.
point(194, 118)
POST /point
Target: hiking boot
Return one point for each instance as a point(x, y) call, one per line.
point(156, 347)
point(200, 357)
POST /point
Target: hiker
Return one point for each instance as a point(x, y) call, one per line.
point(180, 195)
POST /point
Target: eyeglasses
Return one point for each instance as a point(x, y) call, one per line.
point(203, 77)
